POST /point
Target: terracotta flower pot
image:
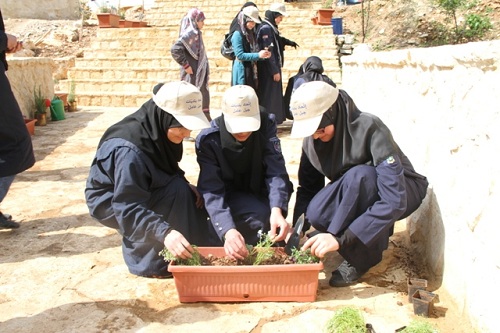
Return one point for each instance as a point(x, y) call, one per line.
point(325, 16)
point(256, 283)
point(30, 125)
point(108, 20)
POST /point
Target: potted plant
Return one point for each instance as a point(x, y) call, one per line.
point(267, 274)
point(325, 13)
point(72, 104)
point(107, 16)
point(40, 107)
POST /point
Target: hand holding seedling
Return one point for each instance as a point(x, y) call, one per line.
point(234, 245)
point(321, 244)
point(178, 245)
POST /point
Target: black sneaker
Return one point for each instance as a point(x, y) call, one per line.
point(345, 275)
point(7, 223)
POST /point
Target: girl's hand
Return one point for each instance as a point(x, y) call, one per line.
point(321, 244)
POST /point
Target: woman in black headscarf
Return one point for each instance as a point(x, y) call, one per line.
point(372, 183)
point(311, 70)
point(270, 88)
point(135, 184)
point(243, 178)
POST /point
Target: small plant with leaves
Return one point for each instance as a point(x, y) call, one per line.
point(195, 260)
point(72, 93)
point(262, 251)
point(346, 320)
point(303, 257)
point(40, 105)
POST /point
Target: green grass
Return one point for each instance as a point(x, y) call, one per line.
point(346, 320)
point(419, 326)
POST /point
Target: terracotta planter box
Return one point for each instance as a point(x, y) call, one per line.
point(30, 125)
point(325, 16)
point(125, 24)
point(107, 20)
point(258, 283)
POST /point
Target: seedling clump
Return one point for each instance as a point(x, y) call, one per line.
point(346, 320)
point(263, 253)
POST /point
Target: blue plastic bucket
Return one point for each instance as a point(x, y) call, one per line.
point(337, 25)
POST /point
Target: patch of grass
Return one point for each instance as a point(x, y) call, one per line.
point(419, 326)
point(346, 320)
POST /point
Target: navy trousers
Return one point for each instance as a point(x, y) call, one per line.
point(339, 203)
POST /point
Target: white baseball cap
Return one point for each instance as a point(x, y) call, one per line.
point(183, 101)
point(252, 12)
point(279, 8)
point(240, 107)
point(307, 104)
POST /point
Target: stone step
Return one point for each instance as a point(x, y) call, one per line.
point(121, 66)
point(117, 79)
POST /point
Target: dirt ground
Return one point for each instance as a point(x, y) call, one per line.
point(61, 271)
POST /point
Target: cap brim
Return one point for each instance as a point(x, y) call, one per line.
point(257, 20)
point(242, 124)
point(193, 122)
point(305, 127)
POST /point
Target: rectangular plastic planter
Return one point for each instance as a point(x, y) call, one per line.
point(257, 283)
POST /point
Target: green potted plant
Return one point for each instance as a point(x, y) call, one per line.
point(72, 104)
point(40, 107)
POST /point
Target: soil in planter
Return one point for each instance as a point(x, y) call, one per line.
point(278, 258)
point(257, 256)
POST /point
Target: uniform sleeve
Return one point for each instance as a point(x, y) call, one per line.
point(239, 51)
point(132, 193)
point(391, 206)
point(178, 53)
point(276, 176)
point(3, 41)
point(311, 181)
point(212, 187)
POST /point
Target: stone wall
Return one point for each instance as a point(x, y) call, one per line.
point(27, 73)
point(442, 105)
point(40, 9)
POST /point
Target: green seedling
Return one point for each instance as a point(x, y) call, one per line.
point(195, 260)
point(346, 320)
point(304, 257)
point(419, 326)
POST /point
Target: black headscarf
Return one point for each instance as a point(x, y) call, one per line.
point(244, 158)
point(312, 70)
point(359, 138)
point(147, 129)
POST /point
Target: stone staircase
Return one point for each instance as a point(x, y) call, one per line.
point(123, 64)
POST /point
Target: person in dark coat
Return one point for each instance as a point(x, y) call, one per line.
point(371, 182)
point(246, 49)
point(189, 52)
point(311, 70)
point(136, 186)
point(243, 178)
point(16, 149)
point(270, 88)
